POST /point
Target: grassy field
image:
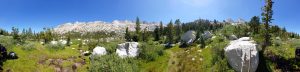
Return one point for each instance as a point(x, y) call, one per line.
point(41, 59)
point(175, 59)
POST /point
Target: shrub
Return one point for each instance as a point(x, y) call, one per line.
point(110, 47)
point(7, 42)
point(217, 49)
point(150, 52)
point(28, 47)
point(113, 63)
point(92, 44)
point(222, 66)
point(58, 46)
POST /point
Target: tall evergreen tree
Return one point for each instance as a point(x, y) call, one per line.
point(267, 18)
point(169, 32)
point(127, 35)
point(156, 34)
point(145, 35)
point(178, 29)
point(137, 36)
point(254, 24)
point(30, 33)
point(138, 24)
point(15, 34)
point(69, 39)
point(202, 42)
point(161, 28)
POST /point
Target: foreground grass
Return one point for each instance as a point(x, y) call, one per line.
point(36, 60)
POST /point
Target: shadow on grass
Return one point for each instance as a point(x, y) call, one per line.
point(285, 65)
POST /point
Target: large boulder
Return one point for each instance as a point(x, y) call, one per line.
point(63, 42)
point(53, 42)
point(242, 55)
point(128, 49)
point(60, 41)
point(99, 51)
point(207, 35)
point(188, 37)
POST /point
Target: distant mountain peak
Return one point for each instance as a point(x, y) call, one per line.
point(117, 26)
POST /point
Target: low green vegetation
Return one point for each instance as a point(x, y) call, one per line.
point(159, 50)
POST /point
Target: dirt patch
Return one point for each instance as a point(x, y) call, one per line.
point(57, 64)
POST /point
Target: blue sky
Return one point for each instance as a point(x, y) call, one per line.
point(38, 14)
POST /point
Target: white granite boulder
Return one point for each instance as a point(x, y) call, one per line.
point(207, 35)
point(188, 37)
point(60, 41)
point(242, 55)
point(99, 51)
point(128, 49)
point(63, 41)
point(53, 42)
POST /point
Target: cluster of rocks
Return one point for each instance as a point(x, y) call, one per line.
point(60, 41)
point(127, 49)
point(190, 36)
point(242, 55)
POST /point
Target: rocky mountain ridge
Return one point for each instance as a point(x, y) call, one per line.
point(95, 26)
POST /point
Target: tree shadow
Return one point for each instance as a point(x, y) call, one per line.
point(285, 65)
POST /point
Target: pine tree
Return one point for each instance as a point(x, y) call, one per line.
point(169, 32)
point(69, 39)
point(254, 24)
point(30, 34)
point(156, 34)
point(127, 35)
point(202, 42)
point(137, 27)
point(15, 34)
point(161, 28)
point(137, 36)
point(267, 18)
point(145, 35)
point(178, 29)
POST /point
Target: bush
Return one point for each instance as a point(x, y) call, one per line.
point(28, 47)
point(218, 51)
point(110, 47)
point(218, 59)
point(92, 44)
point(150, 52)
point(222, 66)
point(7, 42)
point(113, 63)
point(58, 46)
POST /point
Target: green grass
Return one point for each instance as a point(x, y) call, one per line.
point(28, 61)
point(159, 65)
